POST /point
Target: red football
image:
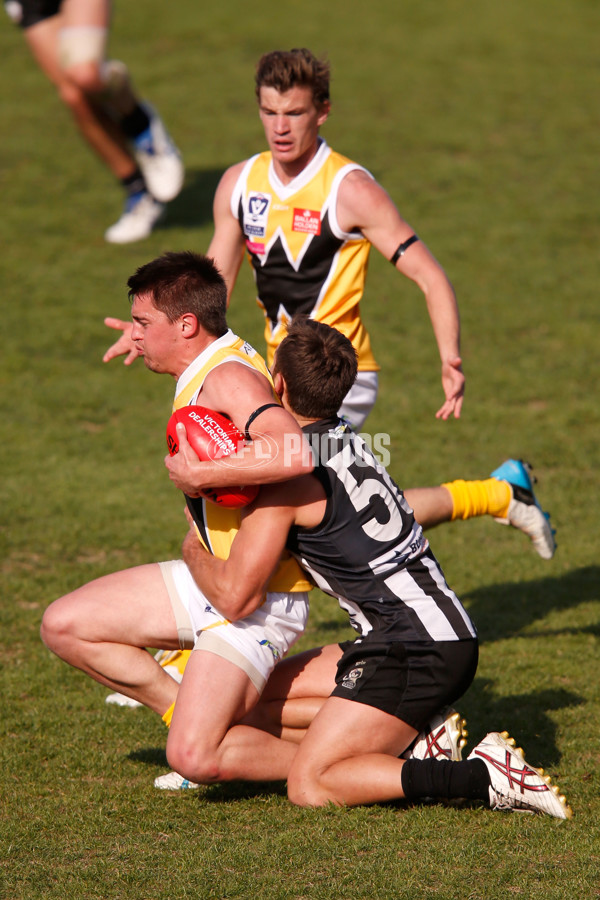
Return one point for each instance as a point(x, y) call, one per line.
point(212, 436)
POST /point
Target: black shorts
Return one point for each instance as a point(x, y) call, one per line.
point(26, 13)
point(412, 681)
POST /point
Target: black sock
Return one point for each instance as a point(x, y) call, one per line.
point(134, 184)
point(435, 778)
point(135, 123)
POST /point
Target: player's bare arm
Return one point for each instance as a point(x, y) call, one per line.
point(237, 585)
point(277, 452)
point(227, 245)
point(363, 205)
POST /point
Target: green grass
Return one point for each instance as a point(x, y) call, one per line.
point(481, 121)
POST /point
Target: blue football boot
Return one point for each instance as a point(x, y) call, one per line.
point(524, 511)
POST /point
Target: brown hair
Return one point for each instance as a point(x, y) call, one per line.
point(318, 364)
point(286, 69)
point(182, 283)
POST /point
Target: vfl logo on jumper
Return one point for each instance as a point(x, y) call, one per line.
point(274, 650)
point(351, 677)
point(307, 221)
point(255, 220)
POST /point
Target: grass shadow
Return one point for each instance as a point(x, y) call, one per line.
point(193, 207)
point(524, 716)
point(502, 611)
point(230, 792)
point(149, 756)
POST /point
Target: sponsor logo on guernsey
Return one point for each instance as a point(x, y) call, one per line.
point(307, 221)
point(255, 220)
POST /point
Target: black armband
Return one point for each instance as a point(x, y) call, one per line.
point(255, 415)
point(403, 248)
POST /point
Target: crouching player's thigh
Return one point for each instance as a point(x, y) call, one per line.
point(385, 694)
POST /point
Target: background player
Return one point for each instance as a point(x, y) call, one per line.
point(307, 217)
point(68, 38)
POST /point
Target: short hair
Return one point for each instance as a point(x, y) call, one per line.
point(286, 69)
point(318, 364)
point(184, 282)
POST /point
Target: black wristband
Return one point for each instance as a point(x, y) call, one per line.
point(403, 248)
point(255, 415)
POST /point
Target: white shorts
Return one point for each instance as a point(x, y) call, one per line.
point(255, 643)
point(360, 399)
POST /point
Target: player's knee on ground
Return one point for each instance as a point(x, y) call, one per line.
point(304, 789)
point(194, 763)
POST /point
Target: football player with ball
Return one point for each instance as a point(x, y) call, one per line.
point(102, 628)
point(416, 651)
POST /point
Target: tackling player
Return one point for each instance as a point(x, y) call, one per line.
point(351, 528)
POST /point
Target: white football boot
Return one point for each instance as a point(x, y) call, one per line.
point(159, 159)
point(515, 785)
point(524, 511)
point(443, 738)
point(142, 212)
point(171, 781)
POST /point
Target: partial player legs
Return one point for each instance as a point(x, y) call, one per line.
point(507, 496)
point(104, 627)
point(205, 745)
point(431, 505)
point(94, 125)
point(295, 692)
point(126, 133)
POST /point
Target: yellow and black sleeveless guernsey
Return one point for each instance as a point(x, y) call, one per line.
point(217, 526)
point(303, 262)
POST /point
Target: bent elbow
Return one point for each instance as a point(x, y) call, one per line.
point(247, 607)
point(237, 602)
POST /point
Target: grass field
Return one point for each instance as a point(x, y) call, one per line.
point(481, 120)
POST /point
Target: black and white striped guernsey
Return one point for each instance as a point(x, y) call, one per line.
point(369, 551)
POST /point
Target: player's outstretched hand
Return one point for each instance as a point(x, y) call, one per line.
point(124, 346)
point(453, 383)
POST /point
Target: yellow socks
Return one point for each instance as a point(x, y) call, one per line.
point(176, 658)
point(168, 715)
point(479, 498)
